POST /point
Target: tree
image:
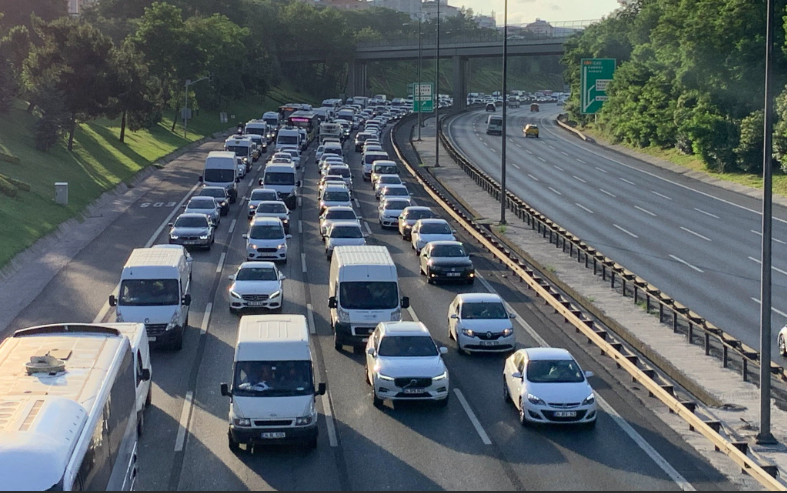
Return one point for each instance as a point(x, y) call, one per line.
point(18, 12)
point(135, 92)
point(77, 59)
point(8, 85)
point(16, 46)
point(54, 119)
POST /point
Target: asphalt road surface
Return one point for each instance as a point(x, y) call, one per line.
point(698, 243)
point(475, 443)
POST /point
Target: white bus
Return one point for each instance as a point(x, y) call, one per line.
point(69, 413)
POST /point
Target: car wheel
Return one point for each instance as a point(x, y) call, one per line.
point(376, 401)
point(522, 414)
point(149, 399)
point(337, 345)
point(177, 345)
point(234, 446)
point(591, 425)
point(506, 392)
point(470, 282)
point(782, 346)
point(140, 423)
point(311, 443)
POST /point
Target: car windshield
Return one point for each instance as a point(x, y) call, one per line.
point(264, 195)
point(287, 139)
point(250, 131)
point(217, 193)
point(484, 311)
point(273, 379)
point(239, 150)
point(557, 371)
point(273, 122)
point(336, 197)
point(407, 347)
point(385, 170)
point(346, 232)
point(420, 214)
point(343, 172)
point(149, 292)
point(369, 295)
point(272, 208)
point(191, 222)
point(362, 137)
point(341, 215)
point(333, 151)
point(396, 205)
point(274, 232)
point(448, 251)
point(279, 179)
point(219, 175)
point(257, 274)
point(390, 180)
point(395, 192)
point(435, 229)
point(294, 154)
point(206, 203)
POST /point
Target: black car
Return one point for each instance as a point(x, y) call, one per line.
point(491, 107)
point(446, 261)
point(221, 196)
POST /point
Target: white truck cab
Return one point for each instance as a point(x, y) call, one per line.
point(221, 170)
point(272, 395)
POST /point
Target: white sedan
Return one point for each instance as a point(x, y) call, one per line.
point(548, 386)
point(479, 322)
point(257, 285)
point(426, 231)
point(343, 233)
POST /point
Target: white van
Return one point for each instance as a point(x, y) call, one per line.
point(494, 125)
point(221, 170)
point(242, 147)
point(273, 119)
point(155, 290)
point(289, 137)
point(364, 291)
point(282, 178)
point(272, 398)
point(143, 369)
point(369, 159)
point(69, 417)
point(328, 130)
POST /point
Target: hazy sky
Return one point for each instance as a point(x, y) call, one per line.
point(522, 11)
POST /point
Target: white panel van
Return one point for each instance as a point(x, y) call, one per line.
point(221, 170)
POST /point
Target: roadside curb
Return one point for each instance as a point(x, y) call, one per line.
point(574, 131)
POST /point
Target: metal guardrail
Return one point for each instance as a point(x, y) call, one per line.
point(732, 352)
point(447, 41)
point(631, 363)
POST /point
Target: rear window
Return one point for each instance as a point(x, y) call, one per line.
point(371, 158)
point(202, 203)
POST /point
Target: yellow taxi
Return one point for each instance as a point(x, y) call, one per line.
point(531, 130)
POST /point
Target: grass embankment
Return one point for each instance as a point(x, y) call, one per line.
point(98, 163)
point(694, 163)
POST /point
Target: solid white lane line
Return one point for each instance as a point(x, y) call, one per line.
point(368, 229)
point(558, 168)
point(780, 271)
point(203, 329)
point(555, 191)
point(412, 314)
point(607, 193)
point(183, 424)
point(542, 159)
point(221, 262)
point(105, 309)
point(774, 310)
point(303, 262)
point(617, 418)
point(232, 226)
point(686, 264)
point(645, 211)
point(695, 234)
point(584, 208)
point(326, 408)
point(627, 181)
point(660, 195)
point(579, 179)
point(300, 227)
point(533, 177)
point(310, 315)
point(626, 231)
point(602, 170)
point(707, 213)
point(473, 419)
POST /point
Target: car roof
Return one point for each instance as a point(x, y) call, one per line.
point(394, 185)
point(419, 208)
point(191, 214)
point(434, 220)
point(201, 198)
point(479, 297)
point(251, 265)
point(345, 222)
point(405, 329)
point(265, 221)
point(213, 188)
point(273, 202)
point(446, 243)
point(337, 188)
point(343, 166)
point(339, 208)
point(540, 354)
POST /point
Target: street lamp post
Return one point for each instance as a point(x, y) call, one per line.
point(503, 196)
point(436, 95)
point(186, 106)
point(765, 437)
point(420, 63)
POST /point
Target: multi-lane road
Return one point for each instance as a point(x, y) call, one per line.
point(699, 243)
point(475, 443)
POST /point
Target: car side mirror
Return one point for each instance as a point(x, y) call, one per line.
point(516, 375)
point(113, 300)
point(454, 317)
point(237, 179)
point(200, 179)
point(171, 225)
point(225, 390)
point(145, 375)
point(332, 302)
point(443, 350)
point(289, 237)
point(261, 182)
point(405, 302)
point(298, 184)
point(321, 389)
point(245, 237)
point(282, 276)
point(187, 300)
point(512, 316)
point(589, 374)
point(231, 278)
point(371, 352)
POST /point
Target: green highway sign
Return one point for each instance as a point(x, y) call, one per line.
point(423, 97)
point(596, 76)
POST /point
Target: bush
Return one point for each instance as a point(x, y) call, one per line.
point(21, 185)
point(9, 158)
point(8, 85)
point(749, 150)
point(7, 188)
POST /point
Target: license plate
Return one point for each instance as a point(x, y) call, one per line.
point(413, 391)
point(274, 436)
point(454, 274)
point(256, 303)
point(565, 414)
point(365, 339)
point(190, 242)
point(489, 343)
point(151, 339)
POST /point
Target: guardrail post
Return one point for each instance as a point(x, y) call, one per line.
point(724, 355)
point(690, 333)
point(624, 287)
point(707, 344)
point(647, 303)
point(745, 369)
point(674, 321)
point(636, 294)
point(604, 272)
point(613, 278)
point(661, 312)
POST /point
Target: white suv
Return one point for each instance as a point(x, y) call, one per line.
point(257, 285)
point(267, 240)
point(403, 363)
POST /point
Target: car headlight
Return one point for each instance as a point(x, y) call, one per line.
point(173, 321)
point(468, 332)
point(385, 377)
point(508, 332)
point(283, 245)
point(252, 207)
point(285, 221)
point(252, 246)
point(591, 399)
point(275, 295)
point(204, 237)
point(304, 421)
point(535, 400)
point(344, 316)
point(441, 377)
point(174, 237)
point(396, 316)
point(241, 422)
point(235, 295)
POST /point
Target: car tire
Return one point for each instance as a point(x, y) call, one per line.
point(506, 392)
point(311, 443)
point(522, 414)
point(140, 424)
point(782, 346)
point(591, 425)
point(177, 345)
point(233, 445)
point(376, 401)
point(443, 403)
point(337, 345)
point(149, 398)
point(470, 282)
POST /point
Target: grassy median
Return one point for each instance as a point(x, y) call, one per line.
point(98, 163)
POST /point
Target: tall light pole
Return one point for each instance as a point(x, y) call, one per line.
point(420, 63)
point(503, 197)
point(436, 94)
point(765, 437)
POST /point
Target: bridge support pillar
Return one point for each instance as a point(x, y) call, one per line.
point(460, 82)
point(357, 79)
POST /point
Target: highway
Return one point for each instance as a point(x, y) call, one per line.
point(699, 243)
point(475, 443)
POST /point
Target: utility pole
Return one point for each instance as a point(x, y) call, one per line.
point(436, 94)
point(186, 105)
point(503, 196)
point(765, 437)
point(420, 63)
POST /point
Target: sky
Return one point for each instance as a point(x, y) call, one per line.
point(524, 11)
